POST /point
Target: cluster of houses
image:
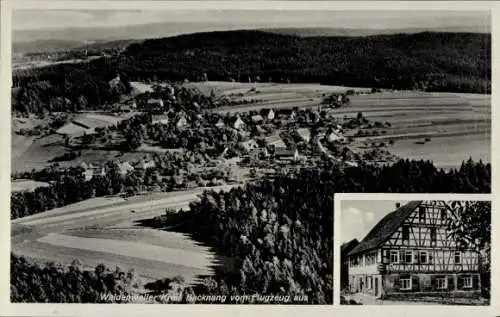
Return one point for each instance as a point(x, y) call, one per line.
point(91, 170)
point(274, 147)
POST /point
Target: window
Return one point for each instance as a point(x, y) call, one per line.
point(370, 258)
point(441, 283)
point(433, 236)
point(467, 281)
point(421, 213)
point(406, 233)
point(423, 258)
point(458, 257)
point(408, 256)
point(394, 257)
point(405, 283)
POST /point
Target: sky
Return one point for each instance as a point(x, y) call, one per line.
point(358, 217)
point(60, 19)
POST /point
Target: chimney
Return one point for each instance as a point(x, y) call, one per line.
point(398, 205)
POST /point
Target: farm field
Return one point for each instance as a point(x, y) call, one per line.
point(86, 122)
point(458, 125)
point(20, 185)
point(105, 230)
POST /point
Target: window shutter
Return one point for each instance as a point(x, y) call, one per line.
point(415, 286)
point(451, 284)
point(460, 282)
point(416, 257)
point(433, 282)
point(475, 281)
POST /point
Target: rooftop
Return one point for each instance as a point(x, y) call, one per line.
point(385, 228)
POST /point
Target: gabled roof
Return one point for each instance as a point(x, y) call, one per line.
point(257, 118)
point(385, 227)
point(346, 247)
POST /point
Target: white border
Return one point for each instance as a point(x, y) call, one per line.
point(255, 5)
point(7, 309)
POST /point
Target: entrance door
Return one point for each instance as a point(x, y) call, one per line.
point(376, 286)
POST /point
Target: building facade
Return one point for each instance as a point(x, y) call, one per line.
point(410, 251)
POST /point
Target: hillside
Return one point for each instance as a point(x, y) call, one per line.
point(308, 32)
point(433, 61)
point(454, 62)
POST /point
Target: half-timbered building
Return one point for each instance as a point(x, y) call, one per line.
point(410, 250)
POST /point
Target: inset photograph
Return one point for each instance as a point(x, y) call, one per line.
point(415, 252)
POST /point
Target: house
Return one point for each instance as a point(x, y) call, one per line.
point(345, 248)
point(155, 103)
point(257, 118)
point(304, 134)
point(237, 123)
point(89, 171)
point(275, 141)
point(125, 168)
point(181, 122)
point(114, 82)
point(161, 119)
point(220, 124)
point(249, 145)
point(284, 154)
point(259, 153)
point(334, 137)
point(124, 108)
point(288, 114)
point(409, 251)
point(267, 113)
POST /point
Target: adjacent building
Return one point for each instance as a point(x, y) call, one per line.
point(267, 114)
point(345, 248)
point(284, 154)
point(410, 251)
point(237, 123)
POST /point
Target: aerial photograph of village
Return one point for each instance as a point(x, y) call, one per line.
point(416, 252)
point(193, 156)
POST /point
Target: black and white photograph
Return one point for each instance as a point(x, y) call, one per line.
point(189, 156)
point(415, 252)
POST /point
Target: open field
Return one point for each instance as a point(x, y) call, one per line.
point(20, 185)
point(458, 125)
point(86, 122)
point(88, 231)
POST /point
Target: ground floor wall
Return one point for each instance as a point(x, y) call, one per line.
point(394, 284)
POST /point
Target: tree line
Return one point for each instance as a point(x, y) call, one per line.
point(281, 229)
point(457, 62)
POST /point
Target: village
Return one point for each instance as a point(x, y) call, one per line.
point(172, 120)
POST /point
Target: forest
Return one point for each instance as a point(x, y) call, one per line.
point(53, 283)
point(454, 62)
point(458, 62)
point(281, 228)
point(404, 176)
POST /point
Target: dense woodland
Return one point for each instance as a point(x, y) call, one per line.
point(432, 61)
point(403, 176)
point(458, 62)
point(280, 228)
point(52, 283)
